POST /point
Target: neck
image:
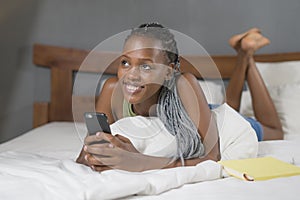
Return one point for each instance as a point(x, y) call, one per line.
point(146, 108)
point(144, 111)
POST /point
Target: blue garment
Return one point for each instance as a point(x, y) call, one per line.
point(254, 123)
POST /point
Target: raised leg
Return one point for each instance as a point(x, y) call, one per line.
point(237, 80)
point(263, 106)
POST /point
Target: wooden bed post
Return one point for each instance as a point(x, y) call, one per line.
point(62, 62)
point(40, 113)
point(61, 94)
point(60, 106)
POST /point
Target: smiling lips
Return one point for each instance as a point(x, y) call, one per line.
point(131, 88)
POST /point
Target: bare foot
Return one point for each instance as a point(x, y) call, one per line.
point(254, 41)
point(235, 40)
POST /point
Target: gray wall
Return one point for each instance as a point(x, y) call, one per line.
point(83, 24)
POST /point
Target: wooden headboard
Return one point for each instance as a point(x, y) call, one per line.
point(63, 62)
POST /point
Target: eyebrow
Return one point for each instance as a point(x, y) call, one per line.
point(140, 59)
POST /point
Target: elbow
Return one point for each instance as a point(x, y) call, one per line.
point(215, 158)
point(214, 155)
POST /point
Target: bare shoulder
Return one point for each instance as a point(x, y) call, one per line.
point(187, 80)
point(190, 93)
point(110, 83)
point(106, 100)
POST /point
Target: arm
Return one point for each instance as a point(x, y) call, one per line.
point(196, 106)
point(104, 101)
point(103, 104)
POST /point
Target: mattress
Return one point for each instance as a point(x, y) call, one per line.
point(40, 165)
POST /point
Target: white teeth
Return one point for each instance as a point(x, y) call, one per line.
point(131, 88)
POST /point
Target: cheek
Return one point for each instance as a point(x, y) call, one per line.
point(155, 88)
point(120, 73)
point(153, 83)
point(156, 77)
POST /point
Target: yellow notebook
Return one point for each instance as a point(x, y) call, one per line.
point(259, 168)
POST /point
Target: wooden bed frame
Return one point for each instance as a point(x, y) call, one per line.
point(63, 62)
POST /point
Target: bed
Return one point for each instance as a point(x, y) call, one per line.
point(40, 163)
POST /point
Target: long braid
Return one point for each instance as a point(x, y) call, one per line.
point(172, 113)
point(170, 109)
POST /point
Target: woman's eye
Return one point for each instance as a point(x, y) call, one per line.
point(125, 63)
point(146, 67)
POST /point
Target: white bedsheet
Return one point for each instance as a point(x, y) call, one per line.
point(39, 166)
point(58, 139)
point(32, 170)
point(28, 176)
point(231, 188)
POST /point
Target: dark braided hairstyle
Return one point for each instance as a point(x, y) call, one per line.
point(170, 109)
point(157, 31)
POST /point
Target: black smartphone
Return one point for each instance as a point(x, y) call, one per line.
point(96, 122)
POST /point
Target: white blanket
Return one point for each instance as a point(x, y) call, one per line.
point(28, 176)
point(46, 168)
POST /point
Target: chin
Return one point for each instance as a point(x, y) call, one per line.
point(132, 100)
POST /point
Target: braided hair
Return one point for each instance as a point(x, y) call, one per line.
point(170, 109)
point(159, 32)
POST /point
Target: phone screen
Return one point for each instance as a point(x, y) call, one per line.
point(96, 122)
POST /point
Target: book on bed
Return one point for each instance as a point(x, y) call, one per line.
point(255, 169)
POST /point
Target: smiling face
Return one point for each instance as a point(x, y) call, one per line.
point(143, 69)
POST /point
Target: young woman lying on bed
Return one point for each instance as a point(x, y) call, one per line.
point(149, 83)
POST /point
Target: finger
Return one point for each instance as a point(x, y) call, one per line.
point(92, 160)
point(97, 145)
point(101, 151)
point(104, 161)
point(122, 138)
point(117, 140)
point(111, 139)
point(95, 138)
point(108, 161)
point(100, 168)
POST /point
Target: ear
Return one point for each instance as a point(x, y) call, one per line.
point(170, 71)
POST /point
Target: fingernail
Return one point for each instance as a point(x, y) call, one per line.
point(86, 157)
point(111, 145)
point(98, 134)
point(85, 148)
point(93, 167)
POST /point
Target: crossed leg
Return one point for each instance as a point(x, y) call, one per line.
point(245, 69)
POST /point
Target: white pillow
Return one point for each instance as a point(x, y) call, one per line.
point(149, 135)
point(286, 99)
point(214, 92)
point(282, 80)
point(279, 73)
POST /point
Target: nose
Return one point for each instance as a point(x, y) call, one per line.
point(134, 74)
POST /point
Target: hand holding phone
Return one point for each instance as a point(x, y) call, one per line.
point(96, 122)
